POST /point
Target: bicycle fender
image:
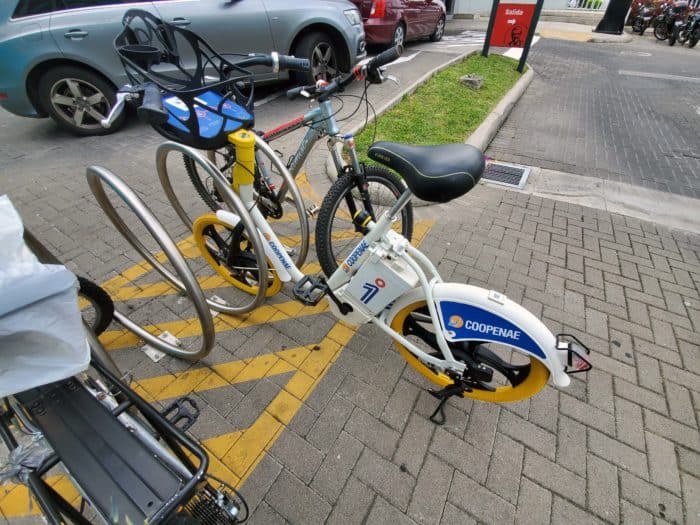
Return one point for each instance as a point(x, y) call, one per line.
point(470, 313)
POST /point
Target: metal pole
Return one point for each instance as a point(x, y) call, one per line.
point(530, 35)
point(492, 20)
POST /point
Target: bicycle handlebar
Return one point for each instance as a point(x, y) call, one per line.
point(276, 61)
point(151, 109)
point(370, 70)
point(384, 58)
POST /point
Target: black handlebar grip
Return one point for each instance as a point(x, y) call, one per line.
point(294, 63)
point(295, 92)
point(151, 109)
point(385, 57)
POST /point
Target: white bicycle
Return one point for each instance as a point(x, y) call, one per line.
point(469, 341)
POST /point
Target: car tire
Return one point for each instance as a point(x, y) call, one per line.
point(439, 30)
point(66, 90)
point(398, 38)
point(321, 51)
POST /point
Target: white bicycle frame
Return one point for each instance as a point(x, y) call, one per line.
point(521, 325)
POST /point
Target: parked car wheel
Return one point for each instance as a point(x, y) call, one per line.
point(323, 56)
point(399, 37)
point(77, 99)
point(439, 30)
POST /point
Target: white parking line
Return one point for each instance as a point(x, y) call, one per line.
point(661, 76)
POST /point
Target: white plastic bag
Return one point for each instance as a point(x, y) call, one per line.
point(41, 332)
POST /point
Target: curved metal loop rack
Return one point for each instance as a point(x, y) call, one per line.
point(97, 177)
point(230, 198)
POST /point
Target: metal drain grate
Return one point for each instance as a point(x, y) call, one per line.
point(510, 175)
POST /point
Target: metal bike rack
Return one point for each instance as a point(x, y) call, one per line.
point(96, 177)
point(232, 200)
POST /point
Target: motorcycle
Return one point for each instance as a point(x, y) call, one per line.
point(666, 23)
point(644, 19)
point(689, 31)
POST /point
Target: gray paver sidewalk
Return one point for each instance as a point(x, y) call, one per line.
point(620, 445)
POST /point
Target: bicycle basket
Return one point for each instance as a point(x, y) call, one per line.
point(205, 95)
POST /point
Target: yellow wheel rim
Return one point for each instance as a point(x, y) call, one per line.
point(274, 285)
point(533, 383)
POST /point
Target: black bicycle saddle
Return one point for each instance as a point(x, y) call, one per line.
point(432, 173)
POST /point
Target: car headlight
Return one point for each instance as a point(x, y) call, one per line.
point(353, 16)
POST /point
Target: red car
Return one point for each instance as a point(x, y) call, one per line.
point(394, 22)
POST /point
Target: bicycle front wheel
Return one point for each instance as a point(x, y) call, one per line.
point(375, 191)
point(285, 213)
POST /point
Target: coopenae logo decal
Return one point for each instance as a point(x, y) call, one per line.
point(372, 289)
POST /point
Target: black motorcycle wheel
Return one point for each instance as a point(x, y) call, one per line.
point(672, 37)
point(660, 32)
point(683, 36)
point(637, 26)
point(693, 39)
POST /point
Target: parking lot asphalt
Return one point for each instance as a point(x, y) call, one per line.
point(318, 422)
point(619, 112)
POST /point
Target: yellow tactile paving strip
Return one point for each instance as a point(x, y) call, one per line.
point(233, 456)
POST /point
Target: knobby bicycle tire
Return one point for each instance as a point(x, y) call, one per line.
point(100, 301)
point(200, 185)
point(334, 246)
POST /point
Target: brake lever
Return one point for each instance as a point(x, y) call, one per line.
point(392, 78)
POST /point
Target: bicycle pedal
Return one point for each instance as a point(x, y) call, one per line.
point(312, 210)
point(310, 290)
point(182, 413)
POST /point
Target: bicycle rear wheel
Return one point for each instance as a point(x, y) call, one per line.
point(514, 375)
point(375, 191)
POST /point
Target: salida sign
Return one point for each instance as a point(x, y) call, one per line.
point(510, 29)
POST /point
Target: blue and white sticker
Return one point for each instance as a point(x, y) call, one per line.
point(467, 322)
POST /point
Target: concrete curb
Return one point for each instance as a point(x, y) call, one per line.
point(602, 38)
point(668, 209)
point(483, 135)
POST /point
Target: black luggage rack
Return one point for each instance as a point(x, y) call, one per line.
point(123, 482)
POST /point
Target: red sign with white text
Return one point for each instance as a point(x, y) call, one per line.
point(512, 25)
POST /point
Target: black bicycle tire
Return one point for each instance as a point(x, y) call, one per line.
point(329, 207)
point(199, 185)
point(100, 300)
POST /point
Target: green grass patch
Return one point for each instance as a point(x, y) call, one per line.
point(443, 110)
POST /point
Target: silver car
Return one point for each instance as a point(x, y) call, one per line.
point(57, 57)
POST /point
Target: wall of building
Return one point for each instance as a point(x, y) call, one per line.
point(463, 7)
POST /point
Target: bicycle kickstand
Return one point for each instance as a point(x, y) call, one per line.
point(455, 389)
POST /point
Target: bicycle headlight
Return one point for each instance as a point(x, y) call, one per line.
point(353, 16)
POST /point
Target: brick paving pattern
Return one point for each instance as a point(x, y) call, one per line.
point(620, 445)
point(580, 116)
